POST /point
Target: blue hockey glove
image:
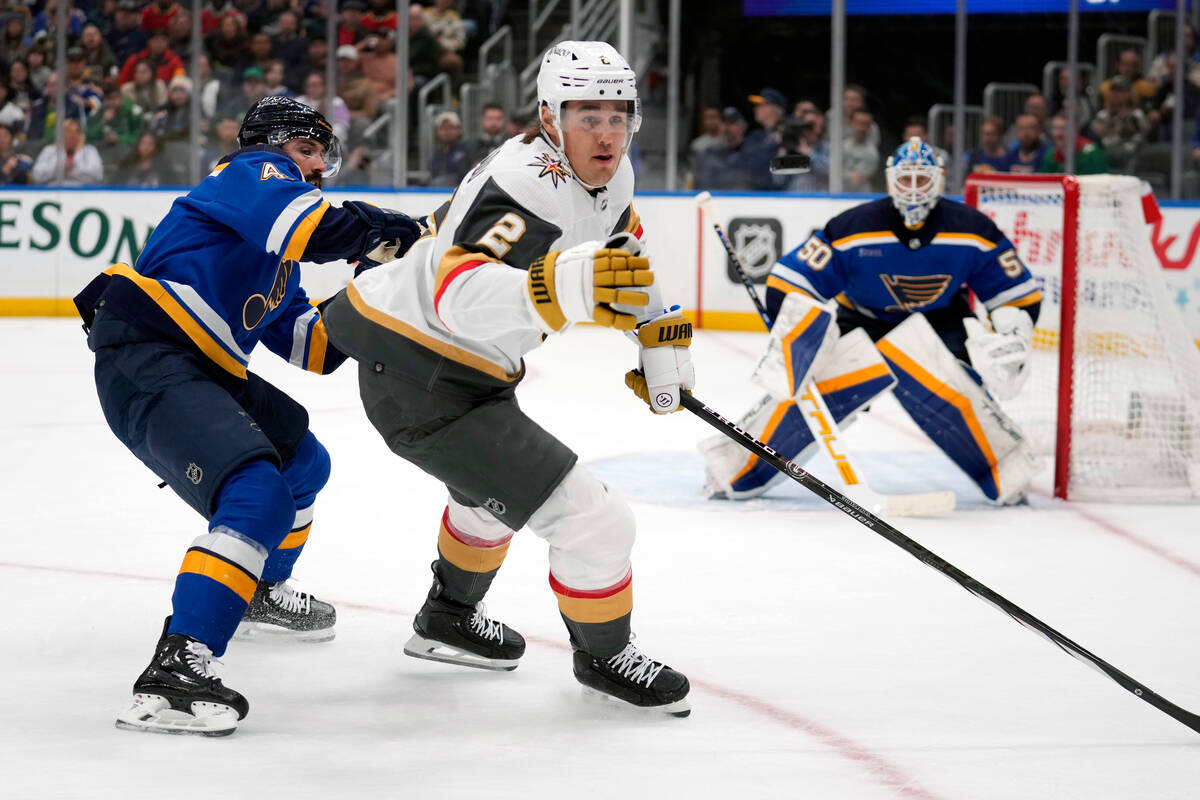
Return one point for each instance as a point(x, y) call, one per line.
point(389, 233)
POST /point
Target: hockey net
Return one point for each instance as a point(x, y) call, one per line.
point(1114, 391)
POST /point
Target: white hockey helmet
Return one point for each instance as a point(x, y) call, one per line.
point(916, 178)
point(587, 71)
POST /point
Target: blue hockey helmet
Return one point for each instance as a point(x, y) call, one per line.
point(916, 178)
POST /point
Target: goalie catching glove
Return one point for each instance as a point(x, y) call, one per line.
point(586, 282)
point(388, 236)
point(1001, 356)
point(665, 362)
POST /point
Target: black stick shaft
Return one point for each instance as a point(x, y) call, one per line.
point(747, 281)
point(931, 559)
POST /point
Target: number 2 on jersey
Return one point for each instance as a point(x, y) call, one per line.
point(504, 234)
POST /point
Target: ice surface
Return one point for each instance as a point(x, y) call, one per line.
point(825, 661)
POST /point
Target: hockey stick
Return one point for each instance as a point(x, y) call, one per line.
point(820, 421)
point(931, 559)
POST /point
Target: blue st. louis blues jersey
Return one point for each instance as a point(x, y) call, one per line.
point(869, 262)
point(221, 271)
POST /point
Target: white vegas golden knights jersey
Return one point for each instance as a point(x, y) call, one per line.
point(461, 291)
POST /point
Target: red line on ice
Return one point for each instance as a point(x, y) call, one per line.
point(880, 769)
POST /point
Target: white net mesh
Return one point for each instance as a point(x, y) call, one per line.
point(1135, 414)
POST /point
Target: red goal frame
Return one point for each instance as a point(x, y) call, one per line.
point(1066, 340)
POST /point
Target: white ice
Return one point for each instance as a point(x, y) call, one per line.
point(825, 661)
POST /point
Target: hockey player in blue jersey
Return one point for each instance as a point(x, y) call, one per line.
point(899, 271)
point(172, 337)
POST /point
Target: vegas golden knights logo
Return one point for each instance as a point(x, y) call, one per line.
point(537, 281)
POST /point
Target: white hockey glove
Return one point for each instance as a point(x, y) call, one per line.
point(665, 362)
point(1001, 356)
point(585, 282)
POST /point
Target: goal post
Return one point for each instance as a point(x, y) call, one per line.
point(1114, 392)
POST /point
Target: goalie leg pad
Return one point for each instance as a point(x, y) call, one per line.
point(852, 375)
point(948, 403)
point(801, 341)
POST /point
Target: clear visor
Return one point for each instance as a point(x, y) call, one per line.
point(609, 121)
point(331, 156)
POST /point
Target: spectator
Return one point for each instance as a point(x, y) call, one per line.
point(763, 143)
point(157, 16)
point(1129, 64)
point(291, 49)
point(11, 115)
point(223, 142)
point(258, 54)
point(380, 17)
point(448, 163)
point(350, 29)
point(81, 90)
point(20, 90)
point(446, 25)
point(1162, 68)
point(726, 165)
point(39, 68)
point(854, 98)
point(116, 128)
point(126, 36)
point(251, 92)
point(146, 89)
point(14, 167)
point(1037, 105)
point(425, 56)
point(179, 35)
point(146, 167)
point(710, 133)
point(314, 97)
point(273, 78)
point(814, 144)
point(1120, 127)
point(358, 92)
point(860, 157)
point(216, 10)
point(12, 41)
point(493, 131)
point(378, 64)
point(915, 126)
point(1089, 158)
point(44, 24)
point(1085, 108)
point(97, 55)
point(1162, 107)
point(172, 122)
point(80, 102)
point(991, 155)
point(318, 53)
point(210, 88)
point(1029, 150)
point(80, 161)
point(165, 63)
point(227, 45)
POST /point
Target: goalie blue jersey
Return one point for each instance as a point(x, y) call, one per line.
point(222, 268)
point(868, 261)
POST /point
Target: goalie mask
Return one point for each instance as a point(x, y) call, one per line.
point(588, 71)
point(916, 177)
point(276, 120)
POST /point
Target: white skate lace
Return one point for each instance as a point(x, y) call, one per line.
point(199, 659)
point(635, 665)
point(484, 625)
point(287, 598)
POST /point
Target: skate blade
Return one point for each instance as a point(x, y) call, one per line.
point(266, 632)
point(420, 647)
point(680, 708)
point(152, 713)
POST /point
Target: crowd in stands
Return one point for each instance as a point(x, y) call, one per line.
point(129, 82)
point(1124, 126)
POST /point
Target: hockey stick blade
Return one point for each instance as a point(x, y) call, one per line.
point(931, 559)
point(923, 504)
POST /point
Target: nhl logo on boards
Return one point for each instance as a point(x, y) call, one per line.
point(194, 473)
point(495, 506)
point(757, 242)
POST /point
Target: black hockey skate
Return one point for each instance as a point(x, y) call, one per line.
point(178, 692)
point(461, 634)
point(635, 678)
point(277, 611)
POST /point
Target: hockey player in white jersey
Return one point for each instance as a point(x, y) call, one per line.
point(540, 235)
